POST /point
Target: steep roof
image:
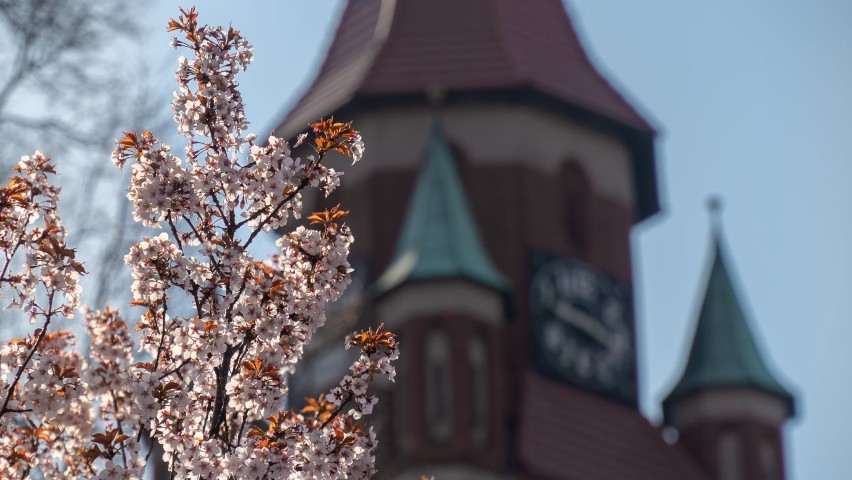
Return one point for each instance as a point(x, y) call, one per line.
point(392, 52)
point(439, 238)
point(724, 352)
point(393, 47)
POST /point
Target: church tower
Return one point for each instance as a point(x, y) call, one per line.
point(728, 407)
point(493, 233)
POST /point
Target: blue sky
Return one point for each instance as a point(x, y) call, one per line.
point(753, 101)
point(754, 104)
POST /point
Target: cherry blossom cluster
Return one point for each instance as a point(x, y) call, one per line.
point(325, 439)
point(39, 374)
point(29, 224)
point(218, 331)
point(50, 388)
point(378, 351)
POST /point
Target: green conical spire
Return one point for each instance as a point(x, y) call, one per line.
point(724, 352)
point(439, 238)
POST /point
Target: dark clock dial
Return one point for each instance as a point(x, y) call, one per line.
point(581, 326)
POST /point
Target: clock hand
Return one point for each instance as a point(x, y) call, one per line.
point(583, 321)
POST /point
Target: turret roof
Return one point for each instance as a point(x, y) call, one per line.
point(439, 239)
point(724, 352)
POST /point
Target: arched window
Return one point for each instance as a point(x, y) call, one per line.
point(577, 198)
point(769, 460)
point(731, 457)
point(480, 386)
point(439, 386)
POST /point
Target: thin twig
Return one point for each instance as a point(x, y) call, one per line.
point(36, 345)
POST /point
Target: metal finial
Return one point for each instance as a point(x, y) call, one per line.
point(714, 206)
point(436, 95)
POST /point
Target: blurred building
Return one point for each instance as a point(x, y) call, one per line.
point(492, 218)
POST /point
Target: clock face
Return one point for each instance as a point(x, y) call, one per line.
point(581, 325)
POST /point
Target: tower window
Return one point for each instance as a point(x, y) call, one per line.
point(577, 199)
point(479, 389)
point(439, 394)
point(731, 457)
point(769, 461)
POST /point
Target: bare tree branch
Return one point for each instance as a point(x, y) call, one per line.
point(70, 84)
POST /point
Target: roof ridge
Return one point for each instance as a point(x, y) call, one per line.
point(381, 33)
point(605, 80)
point(337, 67)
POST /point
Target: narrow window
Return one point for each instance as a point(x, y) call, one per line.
point(577, 198)
point(439, 395)
point(480, 386)
point(769, 461)
point(731, 457)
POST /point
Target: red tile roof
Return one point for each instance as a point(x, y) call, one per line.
point(566, 433)
point(393, 47)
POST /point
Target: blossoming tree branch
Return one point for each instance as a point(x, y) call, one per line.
point(220, 328)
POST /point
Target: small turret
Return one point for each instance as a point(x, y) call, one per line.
point(728, 407)
point(445, 298)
